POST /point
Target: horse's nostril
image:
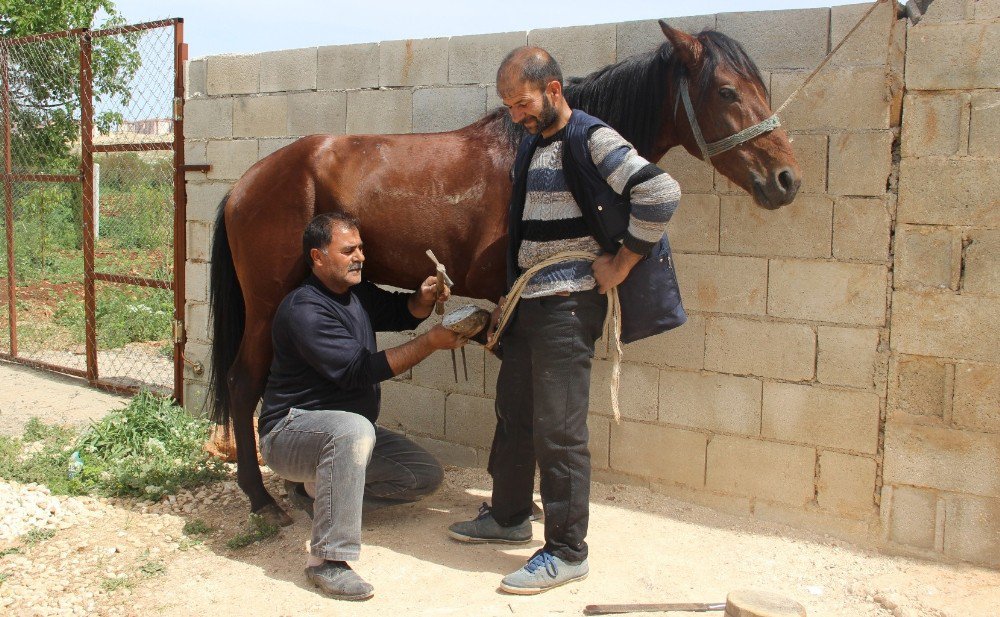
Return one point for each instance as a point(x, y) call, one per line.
point(786, 180)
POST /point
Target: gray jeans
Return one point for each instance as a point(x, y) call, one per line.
point(355, 466)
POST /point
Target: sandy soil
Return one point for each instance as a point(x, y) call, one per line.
point(644, 548)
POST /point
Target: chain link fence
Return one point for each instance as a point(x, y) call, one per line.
point(90, 197)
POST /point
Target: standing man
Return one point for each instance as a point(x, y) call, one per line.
point(317, 422)
point(568, 176)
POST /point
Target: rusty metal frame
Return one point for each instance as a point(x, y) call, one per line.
point(86, 179)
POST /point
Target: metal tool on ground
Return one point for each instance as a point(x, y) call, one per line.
point(442, 279)
point(739, 603)
point(686, 607)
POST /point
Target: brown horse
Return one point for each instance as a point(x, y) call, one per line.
point(449, 192)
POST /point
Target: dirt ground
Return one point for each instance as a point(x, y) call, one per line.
point(644, 547)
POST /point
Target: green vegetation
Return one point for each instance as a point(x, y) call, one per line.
point(113, 583)
point(197, 527)
point(257, 529)
point(148, 449)
point(38, 535)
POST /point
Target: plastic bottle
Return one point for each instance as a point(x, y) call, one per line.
point(75, 465)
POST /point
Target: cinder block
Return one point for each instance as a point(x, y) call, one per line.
point(962, 191)
point(828, 291)
point(952, 56)
point(347, 67)
point(811, 154)
point(196, 352)
point(821, 103)
point(449, 453)
point(203, 200)
point(914, 517)
point(972, 529)
point(288, 70)
point(317, 112)
point(636, 396)
point(580, 50)
point(438, 372)
point(946, 325)
point(195, 152)
point(195, 84)
point(600, 441)
point(854, 530)
point(196, 281)
point(260, 116)
point(199, 241)
point(386, 340)
point(379, 111)
point(801, 229)
point(766, 349)
point(411, 408)
point(695, 224)
point(932, 123)
point(977, 397)
point(763, 469)
point(926, 256)
point(987, 9)
point(206, 118)
point(867, 46)
point(723, 284)
point(862, 229)
point(475, 59)
point(663, 453)
point(469, 420)
point(920, 386)
point(196, 322)
point(683, 347)
point(413, 62)
point(639, 37)
point(860, 163)
point(447, 109)
point(814, 415)
point(780, 39)
point(847, 357)
point(981, 263)
point(846, 484)
point(944, 11)
point(196, 397)
point(231, 74)
point(229, 159)
point(942, 458)
point(984, 130)
point(267, 147)
point(718, 403)
point(693, 174)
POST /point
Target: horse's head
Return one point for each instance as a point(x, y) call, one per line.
point(727, 119)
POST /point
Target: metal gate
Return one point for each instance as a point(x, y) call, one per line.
point(94, 204)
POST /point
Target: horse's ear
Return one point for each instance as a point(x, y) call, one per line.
point(687, 47)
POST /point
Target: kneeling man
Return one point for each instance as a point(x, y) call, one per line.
point(317, 423)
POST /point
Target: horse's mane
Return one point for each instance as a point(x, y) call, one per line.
point(499, 122)
point(630, 95)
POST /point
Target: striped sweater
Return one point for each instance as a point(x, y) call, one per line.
point(553, 222)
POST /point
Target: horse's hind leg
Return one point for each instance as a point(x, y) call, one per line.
point(247, 379)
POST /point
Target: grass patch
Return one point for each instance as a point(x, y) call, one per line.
point(197, 527)
point(114, 583)
point(10, 551)
point(257, 529)
point(3, 577)
point(148, 449)
point(153, 568)
point(37, 535)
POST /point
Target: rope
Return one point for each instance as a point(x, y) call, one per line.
point(612, 320)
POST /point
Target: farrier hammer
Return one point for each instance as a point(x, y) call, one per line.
point(442, 279)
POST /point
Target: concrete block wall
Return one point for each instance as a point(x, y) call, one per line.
point(772, 401)
point(941, 486)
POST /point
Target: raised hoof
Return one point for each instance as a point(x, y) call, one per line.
point(273, 514)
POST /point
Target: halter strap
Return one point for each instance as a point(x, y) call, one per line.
point(718, 147)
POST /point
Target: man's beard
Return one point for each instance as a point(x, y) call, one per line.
point(547, 117)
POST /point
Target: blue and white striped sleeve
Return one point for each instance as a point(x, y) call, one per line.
point(654, 194)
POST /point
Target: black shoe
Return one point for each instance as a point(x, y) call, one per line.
point(484, 528)
point(537, 513)
point(337, 580)
point(298, 497)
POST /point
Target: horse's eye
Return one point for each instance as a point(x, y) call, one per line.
point(728, 93)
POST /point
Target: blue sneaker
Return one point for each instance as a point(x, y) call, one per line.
point(543, 572)
point(484, 528)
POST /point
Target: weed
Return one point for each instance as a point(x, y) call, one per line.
point(3, 577)
point(113, 583)
point(152, 568)
point(37, 535)
point(188, 543)
point(258, 529)
point(10, 551)
point(196, 527)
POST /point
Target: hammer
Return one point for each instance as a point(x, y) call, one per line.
point(442, 278)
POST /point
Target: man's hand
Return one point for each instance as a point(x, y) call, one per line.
point(440, 337)
point(611, 270)
point(491, 330)
point(422, 302)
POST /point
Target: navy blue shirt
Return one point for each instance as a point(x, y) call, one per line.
point(324, 349)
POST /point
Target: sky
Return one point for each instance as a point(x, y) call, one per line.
point(244, 26)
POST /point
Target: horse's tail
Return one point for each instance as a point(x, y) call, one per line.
point(228, 319)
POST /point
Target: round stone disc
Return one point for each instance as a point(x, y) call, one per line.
point(756, 603)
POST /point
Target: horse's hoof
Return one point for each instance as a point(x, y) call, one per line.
point(273, 514)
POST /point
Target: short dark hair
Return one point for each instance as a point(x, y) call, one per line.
point(531, 65)
point(319, 231)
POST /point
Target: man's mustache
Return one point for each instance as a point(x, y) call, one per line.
point(356, 267)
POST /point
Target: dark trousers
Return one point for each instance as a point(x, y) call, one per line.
point(543, 393)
